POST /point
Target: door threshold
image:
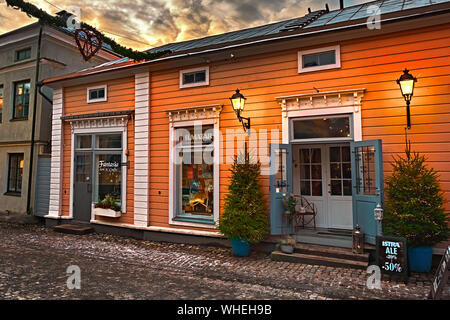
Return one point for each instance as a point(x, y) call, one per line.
point(324, 237)
point(338, 232)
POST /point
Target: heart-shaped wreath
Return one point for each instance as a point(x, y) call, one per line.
point(88, 42)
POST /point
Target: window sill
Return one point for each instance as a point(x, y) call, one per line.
point(318, 68)
point(18, 119)
point(97, 100)
point(194, 220)
point(13, 194)
point(194, 85)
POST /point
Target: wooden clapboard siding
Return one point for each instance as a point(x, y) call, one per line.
point(371, 63)
point(120, 97)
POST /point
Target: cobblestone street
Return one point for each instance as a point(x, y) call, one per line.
point(34, 260)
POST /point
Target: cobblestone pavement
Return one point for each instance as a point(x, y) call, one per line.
point(34, 260)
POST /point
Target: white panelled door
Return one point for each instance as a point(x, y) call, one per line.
point(322, 174)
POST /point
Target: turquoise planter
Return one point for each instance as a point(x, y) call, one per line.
point(420, 259)
point(240, 248)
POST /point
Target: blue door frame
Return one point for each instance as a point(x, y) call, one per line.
point(367, 183)
point(280, 184)
point(368, 187)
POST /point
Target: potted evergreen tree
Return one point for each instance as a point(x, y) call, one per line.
point(245, 218)
point(414, 209)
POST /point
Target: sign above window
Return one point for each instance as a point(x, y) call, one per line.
point(319, 59)
point(194, 77)
point(97, 94)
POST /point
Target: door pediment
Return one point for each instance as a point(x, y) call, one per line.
point(320, 100)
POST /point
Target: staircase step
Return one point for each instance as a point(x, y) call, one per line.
point(73, 229)
point(328, 251)
point(318, 260)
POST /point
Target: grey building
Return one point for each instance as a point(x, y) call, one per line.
point(27, 55)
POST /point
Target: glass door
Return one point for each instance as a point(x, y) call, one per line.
point(310, 179)
point(367, 181)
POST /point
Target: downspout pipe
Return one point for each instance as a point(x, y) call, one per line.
point(40, 84)
point(33, 125)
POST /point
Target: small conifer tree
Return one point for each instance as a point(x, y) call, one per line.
point(245, 214)
point(414, 203)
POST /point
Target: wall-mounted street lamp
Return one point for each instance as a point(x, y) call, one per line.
point(238, 103)
point(406, 83)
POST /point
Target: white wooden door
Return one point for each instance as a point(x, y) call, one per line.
point(339, 186)
point(322, 174)
point(309, 179)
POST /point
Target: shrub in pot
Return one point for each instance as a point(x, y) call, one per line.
point(415, 209)
point(244, 219)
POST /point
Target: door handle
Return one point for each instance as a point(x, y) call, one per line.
point(89, 187)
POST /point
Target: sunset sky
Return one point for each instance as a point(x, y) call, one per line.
point(149, 23)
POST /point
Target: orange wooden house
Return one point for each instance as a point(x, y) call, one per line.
point(325, 110)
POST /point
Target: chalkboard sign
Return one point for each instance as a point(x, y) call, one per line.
point(441, 276)
point(392, 256)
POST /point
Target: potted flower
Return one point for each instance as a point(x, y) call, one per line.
point(244, 219)
point(287, 245)
point(415, 209)
point(107, 207)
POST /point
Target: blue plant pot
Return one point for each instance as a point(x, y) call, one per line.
point(240, 248)
point(420, 259)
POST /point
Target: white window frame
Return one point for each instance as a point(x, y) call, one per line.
point(80, 131)
point(337, 65)
point(105, 98)
point(172, 173)
point(196, 84)
point(323, 139)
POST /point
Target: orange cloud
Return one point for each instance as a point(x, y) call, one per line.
point(143, 24)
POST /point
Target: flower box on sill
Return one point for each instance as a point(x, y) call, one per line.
point(106, 212)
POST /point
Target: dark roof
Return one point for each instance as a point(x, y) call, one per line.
point(363, 11)
point(245, 34)
point(321, 18)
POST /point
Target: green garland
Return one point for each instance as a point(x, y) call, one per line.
point(45, 18)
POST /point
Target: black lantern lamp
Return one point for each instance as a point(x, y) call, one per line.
point(406, 83)
point(238, 103)
point(357, 240)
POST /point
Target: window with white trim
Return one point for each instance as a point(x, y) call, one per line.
point(194, 77)
point(319, 59)
point(194, 173)
point(97, 94)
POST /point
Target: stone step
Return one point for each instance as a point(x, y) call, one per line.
point(318, 260)
point(328, 251)
point(73, 229)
